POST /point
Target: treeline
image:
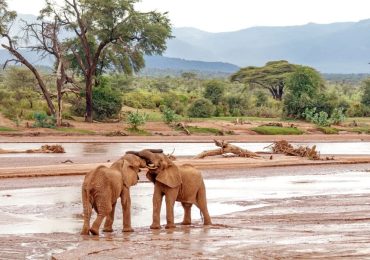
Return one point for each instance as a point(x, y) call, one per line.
point(304, 93)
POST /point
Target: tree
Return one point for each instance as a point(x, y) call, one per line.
point(6, 20)
point(366, 96)
point(214, 91)
point(47, 42)
point(272, 76)
point(110, 29)
point(305, 87)
point(201, 108)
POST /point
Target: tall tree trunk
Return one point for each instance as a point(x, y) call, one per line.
point(89, 100)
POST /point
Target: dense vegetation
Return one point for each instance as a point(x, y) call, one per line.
point(307, 94)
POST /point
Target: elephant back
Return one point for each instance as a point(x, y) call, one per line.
point(192, 181)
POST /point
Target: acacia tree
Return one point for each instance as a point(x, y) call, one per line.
point(110, 26)
point(272, 76)
point(7, 18)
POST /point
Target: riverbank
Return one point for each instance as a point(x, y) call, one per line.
point(52, 138)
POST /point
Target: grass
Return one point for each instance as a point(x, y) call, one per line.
point(275, 130)
point(233, 118)
point(204, 130)
point(6, 129)
point(74, 130)
point(136, 131)
point(328, 130)
point(360, 129)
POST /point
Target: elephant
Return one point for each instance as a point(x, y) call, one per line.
point(101, 189)
point(182, 183)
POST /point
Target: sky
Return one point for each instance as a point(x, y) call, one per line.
point(233, 15)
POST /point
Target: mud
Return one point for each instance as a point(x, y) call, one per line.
point(287, 212)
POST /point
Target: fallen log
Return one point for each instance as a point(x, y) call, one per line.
point(283, 147)
point(43, 149)
point(182, 127)
point(225, 148)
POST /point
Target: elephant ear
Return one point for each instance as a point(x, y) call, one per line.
point(129, 174)
point(170, 176)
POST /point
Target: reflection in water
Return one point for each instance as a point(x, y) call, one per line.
point(181, 149)
point(58, 209)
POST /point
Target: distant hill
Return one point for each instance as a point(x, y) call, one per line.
point(330, 48)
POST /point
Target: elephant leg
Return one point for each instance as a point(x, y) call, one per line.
point(187, 213)
point(202, 205)
point(157, 204)
point(109, 220)
point(126, 208)
point(87, 210)
point(102, 213)
point(171, 196)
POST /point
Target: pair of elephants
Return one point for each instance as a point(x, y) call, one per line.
point(103, 186)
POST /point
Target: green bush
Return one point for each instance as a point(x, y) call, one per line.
point(107, 103)
point(201, 108)
point(214, 91)
point(136, 119)
point(169, 116)
point(322, 118)
point(43, 120)
point(238, 105)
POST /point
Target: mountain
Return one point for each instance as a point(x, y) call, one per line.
point(330, 48)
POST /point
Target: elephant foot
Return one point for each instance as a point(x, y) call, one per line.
point(94, 232)
point(108, 229)
point(153, 226)
point(186, 223)
point(84, 232)
point(207, 223)
point(168, 226)
point(128, 229)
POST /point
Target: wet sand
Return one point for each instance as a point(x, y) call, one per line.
point(292, 212)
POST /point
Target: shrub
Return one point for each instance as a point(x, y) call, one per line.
point(136, 119)
point(238, 105)
point(214, 91)
point(366, 96)
point(322, 118)
point(261, 98)
point(169, 116)
point(44, 121)
point(201, 108)
point(107, 102)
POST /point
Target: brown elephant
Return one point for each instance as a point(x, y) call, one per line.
point(182, 183)
point(101, 189)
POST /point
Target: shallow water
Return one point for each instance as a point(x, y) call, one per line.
point(58, 209)
point(179, 149)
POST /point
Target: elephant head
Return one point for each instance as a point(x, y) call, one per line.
point(130, 165)
point(161, 168)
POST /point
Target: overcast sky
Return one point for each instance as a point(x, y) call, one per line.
point(231, 15)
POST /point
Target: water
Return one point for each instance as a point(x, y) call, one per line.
point(179, 149)
point(58, 209)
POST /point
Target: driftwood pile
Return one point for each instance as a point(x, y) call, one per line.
point(283, 147)
point(225, 148)
point(43, 149)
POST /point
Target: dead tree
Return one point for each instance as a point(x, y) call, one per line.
point(225, 148)
point(47, 43)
